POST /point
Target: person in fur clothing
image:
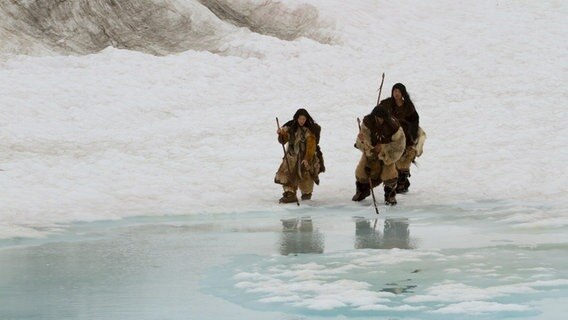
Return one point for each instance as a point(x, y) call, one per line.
point(382, 143)
point(301, 134)
point(402, 109)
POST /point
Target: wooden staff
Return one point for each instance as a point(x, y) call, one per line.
point(381, 88)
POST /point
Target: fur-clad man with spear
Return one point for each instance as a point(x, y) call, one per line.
point(382, 142)
point(302, 160)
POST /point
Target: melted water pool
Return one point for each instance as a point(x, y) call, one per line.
point(299, 263)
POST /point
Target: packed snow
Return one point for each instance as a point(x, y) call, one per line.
point(120, 133)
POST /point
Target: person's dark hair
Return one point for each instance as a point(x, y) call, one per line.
point(310, 123)
point(402, 89)
point(381, 111)
point(309, 120)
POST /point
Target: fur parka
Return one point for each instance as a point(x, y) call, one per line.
point(301, 145)
point(390, 136)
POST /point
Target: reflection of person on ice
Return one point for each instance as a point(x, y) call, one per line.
point(303, 162)
point(382, 143)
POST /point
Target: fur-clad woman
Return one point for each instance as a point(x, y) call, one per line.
point(302, 137)
point(382, 142)
point(404, 111)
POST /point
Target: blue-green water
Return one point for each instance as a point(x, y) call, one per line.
point(298, 263)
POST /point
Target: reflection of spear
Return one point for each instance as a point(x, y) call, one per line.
point(286, 158)
point(381, 88)
point(370, 180)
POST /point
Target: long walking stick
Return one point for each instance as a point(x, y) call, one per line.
point(381, 89)
point(286, 158)
point(370, 180)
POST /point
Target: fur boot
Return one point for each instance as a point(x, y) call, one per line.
point(362, 192)
point(288, 197)
point(390, 192)
point(403, 182)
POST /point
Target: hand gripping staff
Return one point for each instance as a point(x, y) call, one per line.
point(286, 159)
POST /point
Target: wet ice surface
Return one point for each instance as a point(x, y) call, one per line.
point(469, 261)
